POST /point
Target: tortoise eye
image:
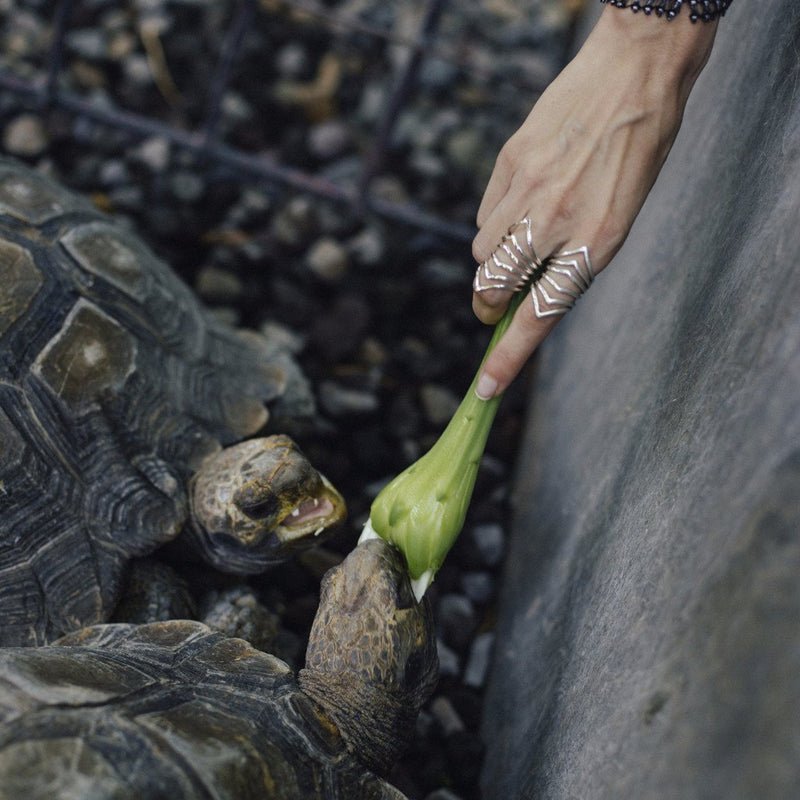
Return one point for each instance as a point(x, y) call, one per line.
point(259, 509)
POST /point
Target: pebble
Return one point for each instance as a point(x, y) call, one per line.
point(328, 260)
point(218, 285)
point(339, 401)
point(293, 222)
point(442, 794)
point(449, 662)
point(445, 714)
point(283, 337)
point(368, 247)
point(137, 70)
point(477, 586)
point(115, 172)
point(153, 153)
point(444, 273)
point(439, 403)
point(292, 61)
point(490, 540)
point(25, 136)
point(237, 612)
point(479, 659)
point(329, 140)
point(89, 43)
point(456, 621)
point(187, 187)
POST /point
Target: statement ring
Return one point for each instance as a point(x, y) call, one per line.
point(555, 282)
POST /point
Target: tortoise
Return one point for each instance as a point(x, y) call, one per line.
point(118, 391)
point(172, 709)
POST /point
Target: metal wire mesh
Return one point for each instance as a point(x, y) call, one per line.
point(43, 90)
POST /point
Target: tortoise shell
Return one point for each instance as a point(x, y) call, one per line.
point(166, 710)
point(174, 710)
point(115, 383)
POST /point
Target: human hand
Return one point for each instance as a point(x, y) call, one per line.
point(585, 159)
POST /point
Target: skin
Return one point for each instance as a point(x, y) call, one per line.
point(585, 159)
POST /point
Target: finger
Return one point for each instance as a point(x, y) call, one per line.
point(525, 333)
point(496, 189)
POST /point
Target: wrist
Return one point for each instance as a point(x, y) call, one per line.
point(672, 52)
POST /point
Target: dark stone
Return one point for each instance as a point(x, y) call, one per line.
point(648, 642)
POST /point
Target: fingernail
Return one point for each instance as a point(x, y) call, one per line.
point(486, 387)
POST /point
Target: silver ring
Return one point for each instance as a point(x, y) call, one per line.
point(555, 282)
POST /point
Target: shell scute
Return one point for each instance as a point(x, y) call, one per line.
point(92, 354)
point(22, 280)
point(115, 384)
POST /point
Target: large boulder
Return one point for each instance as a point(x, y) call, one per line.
point(648, 644)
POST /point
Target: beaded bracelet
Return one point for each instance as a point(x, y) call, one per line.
point(705, 10)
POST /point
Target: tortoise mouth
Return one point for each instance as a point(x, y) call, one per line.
point(313, 516)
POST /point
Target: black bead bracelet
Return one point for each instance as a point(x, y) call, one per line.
point(699, 10)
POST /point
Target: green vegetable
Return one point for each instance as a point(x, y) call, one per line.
point(422, 510)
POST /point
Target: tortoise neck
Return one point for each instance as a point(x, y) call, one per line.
point(376, 725)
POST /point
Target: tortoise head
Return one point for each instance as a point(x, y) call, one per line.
point(259, 501)
point(371, 661)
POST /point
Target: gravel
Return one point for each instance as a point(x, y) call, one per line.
point(377, 313)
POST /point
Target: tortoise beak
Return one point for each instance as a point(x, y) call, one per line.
point(313, 516)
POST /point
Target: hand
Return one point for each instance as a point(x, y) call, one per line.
point(583, 162)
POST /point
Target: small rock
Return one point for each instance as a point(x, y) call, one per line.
point(439, 403)
point(389, 188)
point(121, 45)
point(490, 539)
point(464, 148)
point(479, 658)
point(446, 715)
point(283, 337)
point(372, 352)
point(442, 273)
point(339, 401)
point(328, 260)
point(478, 586)
point(437, 74)
point(218, 285)
point(127, 197)
point(367, 247)
point(238, 613)
point(449, 662)
point(442, 794)
point(26, 136)
point(227, 315)
point(329, 140)
point(456, 621)
point(427, 164)
point(114, 172)
point(292, 61)
point(89, 43)
point(403, 418)
point(153, 153)
point(187, 187)
point(293, 222)
point(136, 70)
point(235, 109)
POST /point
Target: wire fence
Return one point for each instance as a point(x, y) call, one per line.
point(44, 91)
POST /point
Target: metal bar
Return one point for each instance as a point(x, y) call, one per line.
point(55, 54)
point(231, 47)
point(43, 93)
point(245, 166)
point(376, 157)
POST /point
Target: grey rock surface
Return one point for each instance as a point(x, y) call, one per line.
point(649, 638)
